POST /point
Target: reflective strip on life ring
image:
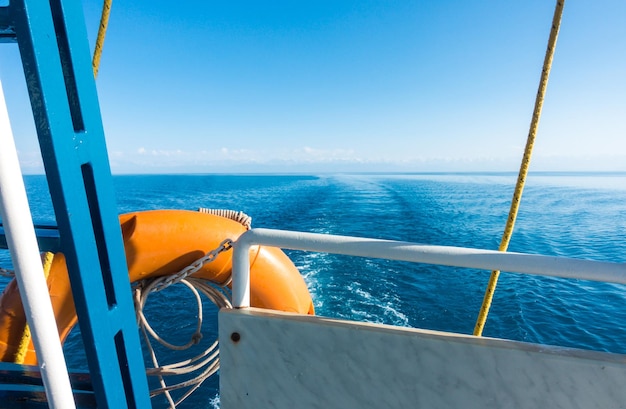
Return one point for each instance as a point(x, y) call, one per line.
point(159, 243)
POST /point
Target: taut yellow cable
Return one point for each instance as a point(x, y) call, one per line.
point(102, 30)
point(22, 348)
point(523, 171)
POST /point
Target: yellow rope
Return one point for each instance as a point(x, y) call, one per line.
point(104, 22)
point(22, 348)
point(523, 172)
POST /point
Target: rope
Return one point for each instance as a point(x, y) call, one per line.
point(523, 172)
point(239, 217)
point(5, 272)
point(102, 30)
point(205, 363)
point(22, 347)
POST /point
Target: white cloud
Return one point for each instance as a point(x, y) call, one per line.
point(30, 162)
point(315, 159)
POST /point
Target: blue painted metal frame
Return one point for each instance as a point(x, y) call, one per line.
point(21, 386)
point(55, 54)
point(7, 31)
point(47, 238)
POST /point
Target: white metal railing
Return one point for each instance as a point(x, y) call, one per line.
point(417, 253)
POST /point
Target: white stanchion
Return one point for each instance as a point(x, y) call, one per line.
point(22, 243)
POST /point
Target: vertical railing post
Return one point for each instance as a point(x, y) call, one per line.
point(241, 271)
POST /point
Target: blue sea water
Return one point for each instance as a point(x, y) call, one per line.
point(576, 215)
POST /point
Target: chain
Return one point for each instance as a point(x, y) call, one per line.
point(174, 278)
point(195, 266)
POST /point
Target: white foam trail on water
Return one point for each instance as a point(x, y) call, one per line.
point(308, 265)
point(215, 402)
point(360, 301)
point(382, 308)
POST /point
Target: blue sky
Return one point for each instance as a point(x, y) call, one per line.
point(327, 86)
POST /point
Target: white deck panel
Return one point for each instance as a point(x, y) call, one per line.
point(291, 361)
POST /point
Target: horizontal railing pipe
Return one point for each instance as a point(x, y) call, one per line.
point(405, 251)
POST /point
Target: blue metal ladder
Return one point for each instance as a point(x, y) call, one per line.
point(52, 39)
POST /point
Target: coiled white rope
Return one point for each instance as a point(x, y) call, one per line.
point(205, 363)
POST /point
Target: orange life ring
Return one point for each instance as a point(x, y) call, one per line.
point(159, 243)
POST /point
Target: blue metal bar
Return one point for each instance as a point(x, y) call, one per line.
point(7, 30)
point(55, 54)
point(47, 237)
point(21, 386)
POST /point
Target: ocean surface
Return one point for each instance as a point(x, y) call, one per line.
point(575, 215)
